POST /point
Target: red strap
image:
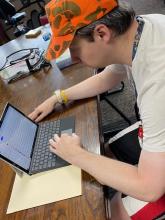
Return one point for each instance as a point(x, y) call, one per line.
point(140, 132)
point(151, 210)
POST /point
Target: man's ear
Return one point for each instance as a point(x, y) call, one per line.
point(102, 32)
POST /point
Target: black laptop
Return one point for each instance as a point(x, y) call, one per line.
point(25, 144)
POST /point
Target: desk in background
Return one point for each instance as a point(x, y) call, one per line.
point(28, 93)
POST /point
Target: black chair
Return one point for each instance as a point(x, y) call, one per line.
point(105, 97)
point(27, 3)
point(11, 17)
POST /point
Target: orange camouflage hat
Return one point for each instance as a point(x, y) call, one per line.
point(67, 16)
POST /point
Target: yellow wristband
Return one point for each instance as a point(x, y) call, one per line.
point(64, 96)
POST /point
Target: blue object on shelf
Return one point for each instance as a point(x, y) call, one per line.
point(46, 36)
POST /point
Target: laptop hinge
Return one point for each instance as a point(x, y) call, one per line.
point(18, 172)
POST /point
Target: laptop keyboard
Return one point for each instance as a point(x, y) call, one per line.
point(42, 158)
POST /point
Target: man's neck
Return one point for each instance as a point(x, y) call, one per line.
point(124, 45)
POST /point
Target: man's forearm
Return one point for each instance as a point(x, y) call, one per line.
point(121, 176)
point(94, 85)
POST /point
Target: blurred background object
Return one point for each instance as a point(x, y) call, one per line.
point(3, 36)
point(20, 16)
point(13, 18)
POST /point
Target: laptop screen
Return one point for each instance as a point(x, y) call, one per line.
point(17, 135)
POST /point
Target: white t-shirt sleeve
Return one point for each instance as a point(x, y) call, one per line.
point(152, 111)
point(117, 69)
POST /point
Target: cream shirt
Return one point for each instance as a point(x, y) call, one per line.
point(148, 72)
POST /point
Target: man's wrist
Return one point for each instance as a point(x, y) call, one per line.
point(79, 157)
point(61, 96)
point(54, 99)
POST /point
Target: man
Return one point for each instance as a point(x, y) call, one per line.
point(102, 33)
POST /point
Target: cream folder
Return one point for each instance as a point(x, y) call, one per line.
point(44, 188)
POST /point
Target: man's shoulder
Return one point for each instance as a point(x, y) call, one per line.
point(154, 17)
point(151, 43)
point(155, 24)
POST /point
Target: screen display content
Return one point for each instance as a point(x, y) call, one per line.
point(17, 134)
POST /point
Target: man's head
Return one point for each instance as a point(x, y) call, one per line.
point(67, 16)
point(85, 26)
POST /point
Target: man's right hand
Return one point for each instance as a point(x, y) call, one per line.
point(43, 109)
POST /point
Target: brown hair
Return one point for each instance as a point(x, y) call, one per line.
point(119, 20)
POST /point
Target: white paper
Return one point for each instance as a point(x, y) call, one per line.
point(44, 188)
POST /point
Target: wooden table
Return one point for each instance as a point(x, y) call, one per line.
point(26, 94)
